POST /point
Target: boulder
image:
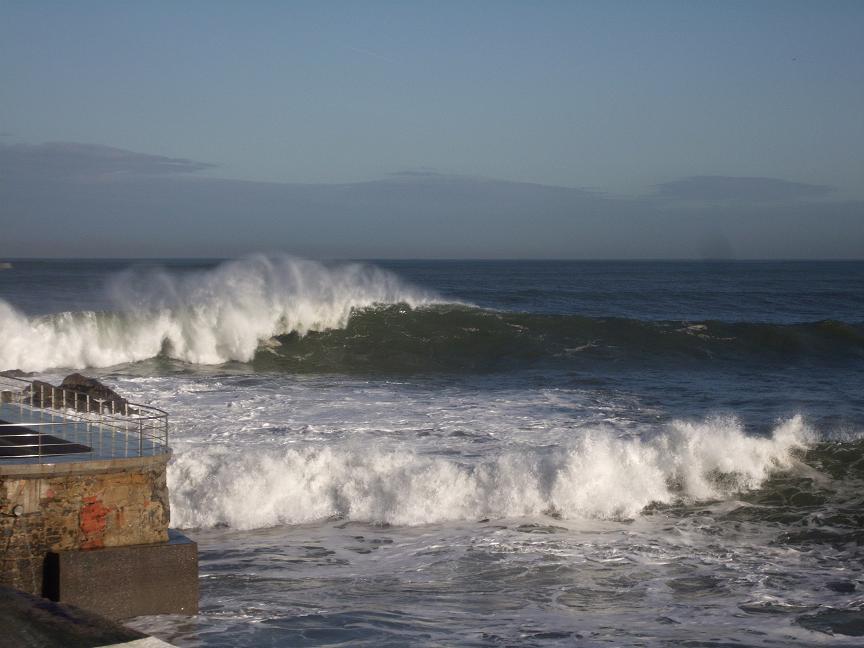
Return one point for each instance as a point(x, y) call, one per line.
point(111, 401)
point(11, 390)
point(15, 373)
point(42, 394)
point(102, 399)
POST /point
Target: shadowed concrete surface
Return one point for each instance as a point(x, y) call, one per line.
point(130, 581)
point(21, 441)
point(31, 622)
point(77, 506)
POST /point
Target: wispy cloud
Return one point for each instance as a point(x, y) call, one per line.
point(738, 189)
point(360, 50)
point(415, 215)
point(70, 160)
point(421, 172)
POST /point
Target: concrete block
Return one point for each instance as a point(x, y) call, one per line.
point(130, 581)
point(32, 622)
point(78, 505)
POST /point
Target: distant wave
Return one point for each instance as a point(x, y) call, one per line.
point(454, 338)
point(287, 314)
point(598, 476)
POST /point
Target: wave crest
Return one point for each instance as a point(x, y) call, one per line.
point(299, 316)
point(206, 317)
point(599, 476)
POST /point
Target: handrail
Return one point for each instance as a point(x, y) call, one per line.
point(83, 425)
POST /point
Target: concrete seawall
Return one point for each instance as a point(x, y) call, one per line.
point(73, 506)
point(95, 534)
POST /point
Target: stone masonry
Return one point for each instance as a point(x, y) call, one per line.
point(87, 505)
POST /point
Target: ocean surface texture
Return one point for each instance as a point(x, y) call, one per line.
point(488, 453)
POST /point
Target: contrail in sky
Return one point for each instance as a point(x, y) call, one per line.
point(371, 53)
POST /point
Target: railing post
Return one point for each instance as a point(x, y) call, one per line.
point(41, 414)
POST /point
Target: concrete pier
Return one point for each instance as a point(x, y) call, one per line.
point(84, 501)
point(32, 622)
point(95, 533)
point(124, 582)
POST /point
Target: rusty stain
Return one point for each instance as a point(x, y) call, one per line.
point(71, 512)
point(93, 523)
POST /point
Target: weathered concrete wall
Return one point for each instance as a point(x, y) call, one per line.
point(124, 582)
point(70, 506)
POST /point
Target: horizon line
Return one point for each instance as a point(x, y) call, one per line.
point(450, 259)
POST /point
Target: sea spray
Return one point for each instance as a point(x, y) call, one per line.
point(291, 315)
point(206, 317)
point(597, 476)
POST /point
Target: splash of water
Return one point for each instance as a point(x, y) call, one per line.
point(207, 317)
point(599, 476)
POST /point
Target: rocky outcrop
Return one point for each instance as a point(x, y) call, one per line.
point(111, 400)
point(15, 373)
point(93, 396)
point(8, 394)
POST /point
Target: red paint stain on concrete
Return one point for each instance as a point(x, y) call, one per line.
point(93, 523)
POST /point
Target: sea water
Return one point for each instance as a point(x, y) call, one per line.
point(471, 453)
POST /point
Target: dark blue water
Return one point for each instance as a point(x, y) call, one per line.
point(740, 291)
point(485, 453)
point(731, 291)
point(757, 339)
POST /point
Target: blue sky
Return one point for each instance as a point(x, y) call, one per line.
point(613, 97)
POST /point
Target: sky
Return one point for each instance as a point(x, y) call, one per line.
point(433, 129)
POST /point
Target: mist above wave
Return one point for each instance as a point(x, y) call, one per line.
point(597, 476)
point(206, 317)
point(298, 316)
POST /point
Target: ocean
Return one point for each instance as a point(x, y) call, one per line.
point(487, 453)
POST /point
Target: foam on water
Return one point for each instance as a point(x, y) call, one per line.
point(518, 502)
point(597, 476)
point(207, 317)
point(367, 320)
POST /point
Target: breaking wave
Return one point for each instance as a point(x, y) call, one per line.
point(287, 314)
point(459, 338)
point(598, 476)
point(204, 317)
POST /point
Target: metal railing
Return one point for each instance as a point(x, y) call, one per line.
point(40, 423)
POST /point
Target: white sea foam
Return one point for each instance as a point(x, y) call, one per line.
point(205, 317)
point(600, 476)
